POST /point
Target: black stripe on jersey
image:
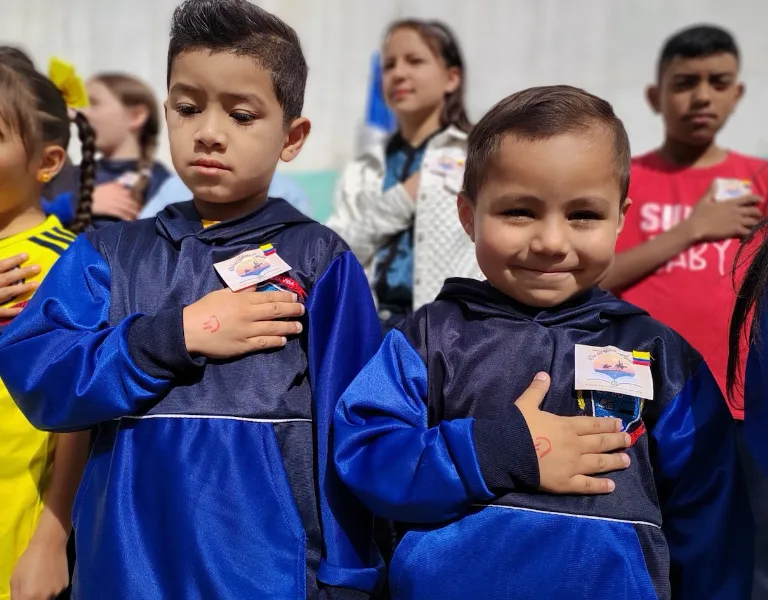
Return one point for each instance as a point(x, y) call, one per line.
point(51, 246)
point(56, 238)
point(65, 233)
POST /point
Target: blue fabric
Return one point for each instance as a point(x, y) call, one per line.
point(394, 261)
point(377, 113)
point(173, 190)
point(704, 500)
point(62, 206)
point(383, 415)
point(203, 468)
point(465, 358)
point(506, 554)
point(198, 509)
point(344, 334)
point(64, 335)
point(756, 393)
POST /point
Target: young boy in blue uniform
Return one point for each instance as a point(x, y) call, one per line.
point(212, 474)
point(429, 433)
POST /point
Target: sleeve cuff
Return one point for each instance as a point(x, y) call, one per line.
point(156, 344)
point(506, 453)
point(337, 593)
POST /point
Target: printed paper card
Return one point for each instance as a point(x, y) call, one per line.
point(609, 369)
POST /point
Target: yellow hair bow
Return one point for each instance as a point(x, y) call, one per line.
point(64, 77)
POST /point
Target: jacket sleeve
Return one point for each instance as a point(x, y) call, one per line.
point(756, 394)
point(408, 471)
point(367, 221)
point(705, 507)
point(344, 332)
point(67, 368)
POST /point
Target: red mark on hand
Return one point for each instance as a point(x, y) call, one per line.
point(543, 446)
point(212, 324)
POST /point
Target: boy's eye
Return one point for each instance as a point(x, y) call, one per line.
point(585, 215)
point(243, 118)
point(519, 213)
point(186, 110)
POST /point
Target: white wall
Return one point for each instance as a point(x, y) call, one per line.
point(607, 46)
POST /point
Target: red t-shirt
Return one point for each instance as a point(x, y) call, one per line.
point(693, 293)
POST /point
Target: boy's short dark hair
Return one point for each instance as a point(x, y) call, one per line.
point(244, 29)
point(541, 113)
point(696, 42)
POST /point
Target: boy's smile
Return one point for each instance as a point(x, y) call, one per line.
point(546, 220)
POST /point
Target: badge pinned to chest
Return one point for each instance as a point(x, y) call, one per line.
point(609, 369)
point(251, 268)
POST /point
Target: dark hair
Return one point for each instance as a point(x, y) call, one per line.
point(34, 109)
point(750, 303)
point(696, 42)
point(15, 54)
point(131, 92)
point(541, 113)
point(244, 29)
point(445, 46)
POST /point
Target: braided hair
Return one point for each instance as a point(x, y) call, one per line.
point(83, 212)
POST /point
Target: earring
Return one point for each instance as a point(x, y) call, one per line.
point(45, 177)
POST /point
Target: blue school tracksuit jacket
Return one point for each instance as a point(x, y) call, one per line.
point(208, 478)
point(428, 434)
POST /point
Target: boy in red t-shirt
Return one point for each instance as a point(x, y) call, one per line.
point(675, 256)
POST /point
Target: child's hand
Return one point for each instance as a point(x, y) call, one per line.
point(42, 572)
point(9, 278)
point(713, 221)
point(224, 324)
point(115, 200)
point(572, 448)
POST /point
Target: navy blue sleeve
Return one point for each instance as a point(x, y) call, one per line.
point(705, 507)
point(61, 207)
point(756, 394)
point(389, 456)
point(68, 369)
point(344, 333)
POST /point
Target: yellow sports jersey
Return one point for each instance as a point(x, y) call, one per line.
point(25, 453)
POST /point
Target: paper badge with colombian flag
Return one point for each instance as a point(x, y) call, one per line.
point(614, 383)
point(261, 268)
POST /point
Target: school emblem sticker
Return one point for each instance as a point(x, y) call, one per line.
point(609, 369)
point(251, 268)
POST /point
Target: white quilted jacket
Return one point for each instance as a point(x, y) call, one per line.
point(366, 218)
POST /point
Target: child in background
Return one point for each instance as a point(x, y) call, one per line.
point(212, 473)
point(675, 255)
point(39, 471)
point(395, 204)
point(428, 434)
point(125, 115)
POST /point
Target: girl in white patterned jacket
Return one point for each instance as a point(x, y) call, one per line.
point(396, 204)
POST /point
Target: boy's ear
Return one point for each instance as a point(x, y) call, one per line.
point(623, 215)
point(298, 132)
point(741, 89)
point(653, 96)
point(53, 160)
point(466, 210)
point(165, 110)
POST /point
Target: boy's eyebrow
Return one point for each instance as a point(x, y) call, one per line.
point(244, 98)
point(185, 88)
